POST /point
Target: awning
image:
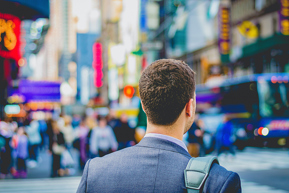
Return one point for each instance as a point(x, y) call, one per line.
point(265, 44)
point(26, 9)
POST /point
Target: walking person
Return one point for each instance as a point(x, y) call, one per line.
point(56, 148)
point(34, 137)
point(67, 131)
point(6, 161)
point(195, 140)
point(82, 133)
point(102, 139)
point(125, 135)
point(20, 144)
point(225, 137)
point(158, 161)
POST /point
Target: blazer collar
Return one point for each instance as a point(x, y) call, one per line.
point(158, 143)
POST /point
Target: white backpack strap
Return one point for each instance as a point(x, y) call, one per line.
point(197, 172)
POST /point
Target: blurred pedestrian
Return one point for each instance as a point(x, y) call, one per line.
point(125, 135)
point(56, 147)
point(112, 119)
point(43, 129)
point(76, 119)
point(82, 132)
point(91, 123)
point(195, 139)
point(6, 161)
point(225, 137)
point(20, 144)
point(102, 139)
point(34, 138)
point(67, 131)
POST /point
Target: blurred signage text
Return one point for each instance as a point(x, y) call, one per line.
point(157, 45)
point(10, 36)
point(224, 30)
point(37, 91)
point(279, 125)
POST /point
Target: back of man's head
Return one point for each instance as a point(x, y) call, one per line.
point(165, 87)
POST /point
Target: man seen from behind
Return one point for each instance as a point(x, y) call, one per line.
point(158, 161)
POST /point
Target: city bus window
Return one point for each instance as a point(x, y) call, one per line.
point(273, 99)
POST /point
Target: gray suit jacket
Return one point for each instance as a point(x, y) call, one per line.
point(153, 165)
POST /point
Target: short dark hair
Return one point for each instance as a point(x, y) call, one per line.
point(165, 87)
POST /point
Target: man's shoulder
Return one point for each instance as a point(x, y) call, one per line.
point(222, 180)
point(128, 157)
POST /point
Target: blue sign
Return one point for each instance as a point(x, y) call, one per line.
point(143, 16)
point(37, 91)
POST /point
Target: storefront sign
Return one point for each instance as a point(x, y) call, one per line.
point(284, 17)
point(10, 36)
point(248, 29)
point(224, 31)
point(37, 91)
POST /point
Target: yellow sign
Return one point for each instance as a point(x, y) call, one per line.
point(284, 17)
point(10, 39)
point(224, 30)
point(248, 29)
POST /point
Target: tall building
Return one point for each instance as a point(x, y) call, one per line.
point(68, 38)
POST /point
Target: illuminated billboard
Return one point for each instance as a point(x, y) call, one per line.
point(10, 36)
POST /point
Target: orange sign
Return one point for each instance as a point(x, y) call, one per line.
point(9, 36)
point(128, 91)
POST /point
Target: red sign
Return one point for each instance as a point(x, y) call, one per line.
point(10, 36)
point(97, 64)
point(128, 91)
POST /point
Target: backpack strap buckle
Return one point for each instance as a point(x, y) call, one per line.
point(197, 172)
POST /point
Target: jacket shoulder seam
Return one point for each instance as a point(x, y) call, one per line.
point(226, 181)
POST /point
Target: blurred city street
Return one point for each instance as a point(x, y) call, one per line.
point(70, 73)
point(261, 170)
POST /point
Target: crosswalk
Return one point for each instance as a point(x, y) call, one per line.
point(46, 185)
point(255, 159)
point(70, 184)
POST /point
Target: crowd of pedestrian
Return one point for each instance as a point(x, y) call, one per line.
point(22, 139)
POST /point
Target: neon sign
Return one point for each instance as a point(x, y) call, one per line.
point(224, 30)
point(9, 36)
point(97, 64)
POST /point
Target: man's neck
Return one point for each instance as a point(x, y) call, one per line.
point(172, 130)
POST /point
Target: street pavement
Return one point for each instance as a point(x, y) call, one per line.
point(261, 170)
point(40, 185)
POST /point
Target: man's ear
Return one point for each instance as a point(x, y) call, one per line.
point(142, 107)
point(190, 108)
